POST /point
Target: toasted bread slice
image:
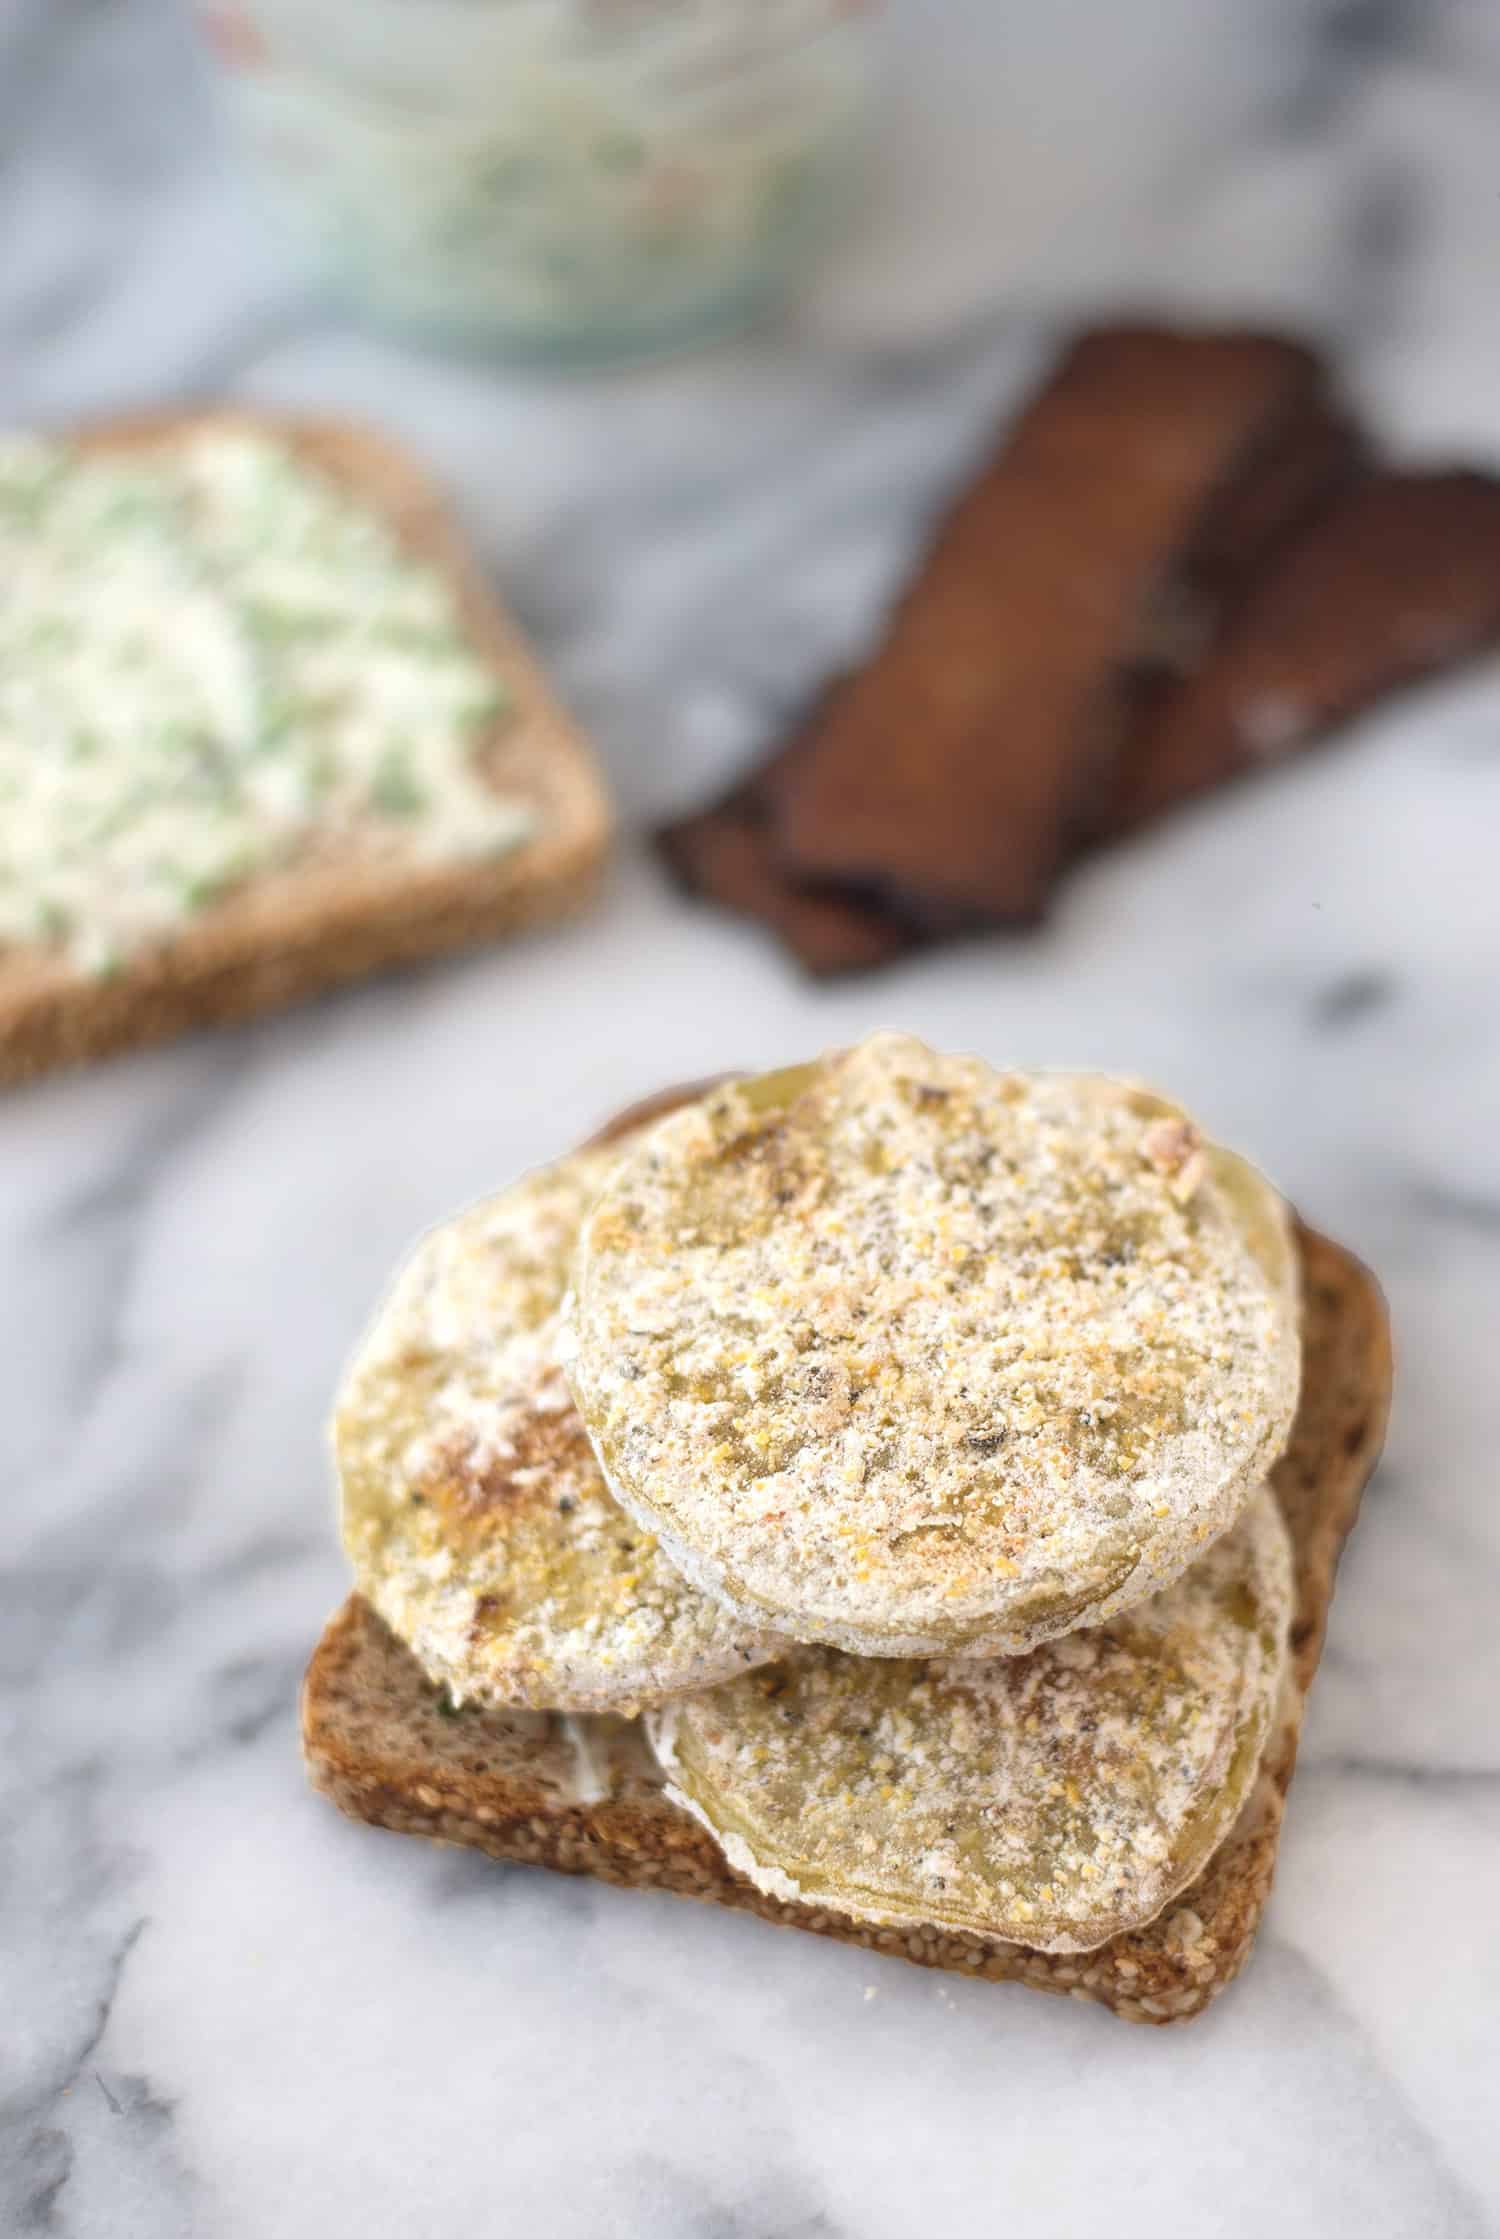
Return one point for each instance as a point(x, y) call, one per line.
point(584, 1796)
point(283, 936)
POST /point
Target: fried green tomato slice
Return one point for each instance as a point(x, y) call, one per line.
point(1053, 1799)
point(473, 1509)
point(1258, 1207)
point(905, 1356)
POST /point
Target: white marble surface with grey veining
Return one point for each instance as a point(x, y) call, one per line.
point(224, 2011)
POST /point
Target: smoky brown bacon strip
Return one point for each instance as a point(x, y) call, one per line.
point(1073, 586)
point(948, 774)
point(727, 854)
point(1394, 579)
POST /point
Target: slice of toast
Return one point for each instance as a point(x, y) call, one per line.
point(290, 934)
point(584, 1795)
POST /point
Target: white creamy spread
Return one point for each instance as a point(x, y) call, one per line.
point(593, 1781)
point(214, 662)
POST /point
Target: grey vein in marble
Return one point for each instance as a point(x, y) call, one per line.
point(225, 2010)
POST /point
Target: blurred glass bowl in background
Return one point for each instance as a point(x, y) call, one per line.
point(562, 180)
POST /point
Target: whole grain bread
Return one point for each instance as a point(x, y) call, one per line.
point(292, 934)
point(584, 1796)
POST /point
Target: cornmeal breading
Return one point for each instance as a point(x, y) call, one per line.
point(1055, 1799)
point(474, 1511)
point(908, 1357)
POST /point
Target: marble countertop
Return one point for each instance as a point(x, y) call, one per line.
point(226, 2011)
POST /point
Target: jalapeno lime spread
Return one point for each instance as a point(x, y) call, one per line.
point(215, 662)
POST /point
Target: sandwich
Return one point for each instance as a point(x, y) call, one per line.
point(893, 1496)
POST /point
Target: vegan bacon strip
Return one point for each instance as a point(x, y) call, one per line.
point(1394, 579)
point(1310, 458)
point(948, 775)
point(726, 853)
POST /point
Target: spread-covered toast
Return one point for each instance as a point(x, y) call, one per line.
point(265, 728)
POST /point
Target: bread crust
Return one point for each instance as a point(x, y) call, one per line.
point(292, 934)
